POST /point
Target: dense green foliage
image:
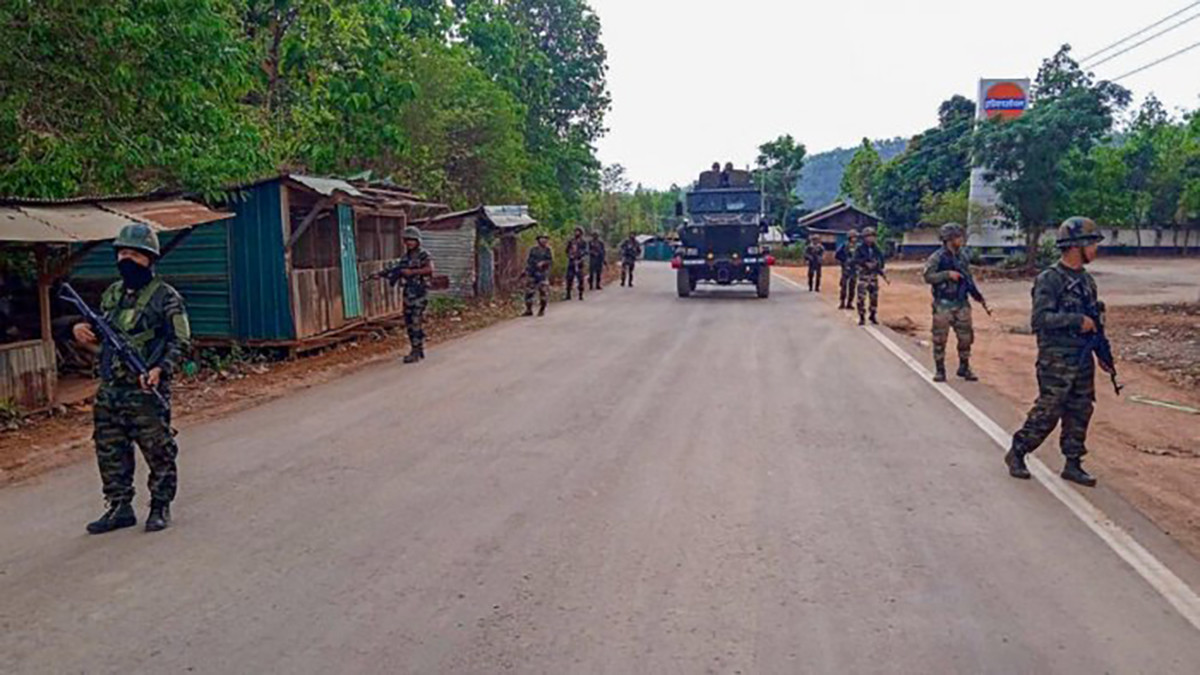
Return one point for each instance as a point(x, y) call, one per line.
point(468, 101)
point(779, 164)
point(821, 178)
point(619, 208)
point(861, 173)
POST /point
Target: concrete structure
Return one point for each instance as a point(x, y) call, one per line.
point(997, 98)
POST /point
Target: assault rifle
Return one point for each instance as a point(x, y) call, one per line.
point(115, 344)
point(391, 274)
point(1098, 344)
point(966, 284)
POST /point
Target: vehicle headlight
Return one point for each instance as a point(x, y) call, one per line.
point(711, 256)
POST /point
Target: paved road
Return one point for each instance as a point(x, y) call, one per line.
point(633, 484)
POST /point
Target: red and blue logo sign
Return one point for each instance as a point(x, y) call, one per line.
point(1005, 99)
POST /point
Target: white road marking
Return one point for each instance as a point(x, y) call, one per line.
point(1159, 576)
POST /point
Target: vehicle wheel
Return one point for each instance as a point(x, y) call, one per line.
point(694, 282)
point(764, 282)
point(684, 283)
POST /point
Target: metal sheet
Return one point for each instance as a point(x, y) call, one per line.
point(453, 253)
point(69, 223)
point(326, 186)
point(509, 217)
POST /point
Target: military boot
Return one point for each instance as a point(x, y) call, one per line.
point(117, 516)
point(415, 355)
point(1016, 465)
point(873, 319)
point(542, 309)
point(965, 372)
point(528, 310)
point(160, 516)
point(862, 319)
point(940, 374)
point(1073, 471)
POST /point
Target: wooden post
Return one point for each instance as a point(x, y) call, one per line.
point(43, 281)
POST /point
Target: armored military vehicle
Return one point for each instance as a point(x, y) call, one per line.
point(719, 237)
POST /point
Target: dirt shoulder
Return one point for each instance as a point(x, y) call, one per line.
point(1150, 455)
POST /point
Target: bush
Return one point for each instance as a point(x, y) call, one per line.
point(443, 306)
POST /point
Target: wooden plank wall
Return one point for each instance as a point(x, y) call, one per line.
point(28, 374)
point(318, 296)
point(379, 298)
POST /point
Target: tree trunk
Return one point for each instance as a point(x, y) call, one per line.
point(1033, 244)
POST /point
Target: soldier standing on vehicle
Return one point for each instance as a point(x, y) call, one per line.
point(631, 250)
point(1067, 315)
point(597, 253)
point(868, 264)
point(149, 314)
point(849, 281)
point(948, 272)
point(577, 251)
point(415, 268)
point(537, 275)
point(814, 254)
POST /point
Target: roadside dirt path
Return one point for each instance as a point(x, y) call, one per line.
point(1150, 455)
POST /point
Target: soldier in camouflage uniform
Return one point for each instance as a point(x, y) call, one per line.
point(597, 256)
point(948, 272)
point(150, 315)
point(577, 251)
point(849, 281)
point(814, 254)
point(631, 250)
point(537, 275)
point(415, 269)
point(868, 264)
point(1063, 298)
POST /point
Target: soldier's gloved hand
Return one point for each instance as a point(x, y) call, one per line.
point(83, 333)
point(955, 276)
point(151, 379)
point(1088, 326)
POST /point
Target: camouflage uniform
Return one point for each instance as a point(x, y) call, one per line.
point(416, 296)
point(869, 264)
point(814, 253)
point(597, 254)
point(631, 250)
point(849, 282)
point(154, 322)
point(951, 306)
point(577, 250)
point(537, 276)
point(1066, 376)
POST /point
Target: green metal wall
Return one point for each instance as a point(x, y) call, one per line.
point(262, 305)
point(198, 268)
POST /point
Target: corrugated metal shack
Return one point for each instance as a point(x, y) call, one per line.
point(835, 220)
point(477, 248)
point(286, 270)
point(60, 233)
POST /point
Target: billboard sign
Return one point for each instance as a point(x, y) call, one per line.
point(1005, 99)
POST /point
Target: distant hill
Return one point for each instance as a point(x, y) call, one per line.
point(821, 178)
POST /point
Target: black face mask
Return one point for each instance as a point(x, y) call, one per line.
point(134, 275)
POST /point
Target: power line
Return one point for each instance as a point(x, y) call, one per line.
point(1143, 31)
point(1135, 45)
point(1168, 57)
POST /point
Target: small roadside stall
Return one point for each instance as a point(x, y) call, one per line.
point(57, 235)
point(477, 249)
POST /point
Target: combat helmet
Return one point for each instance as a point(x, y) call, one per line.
point(413, 232)
point(1078, 231)
point(139, 237)
point(950, 231)
point(852, 234)
point(868, 232)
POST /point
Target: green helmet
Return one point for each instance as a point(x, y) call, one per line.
point(951, 230)
point(853, 234)
point(543, 235)
point(1078, 231)
point(139, 237)
point(412, 232)
point(868, 232)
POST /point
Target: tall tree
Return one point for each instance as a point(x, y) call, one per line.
point(779, 164)
point(1027, 158)
point(861, 174)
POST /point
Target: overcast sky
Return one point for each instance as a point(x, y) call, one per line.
point(696, 81)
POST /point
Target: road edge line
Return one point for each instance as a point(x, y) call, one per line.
point(1160, 577)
